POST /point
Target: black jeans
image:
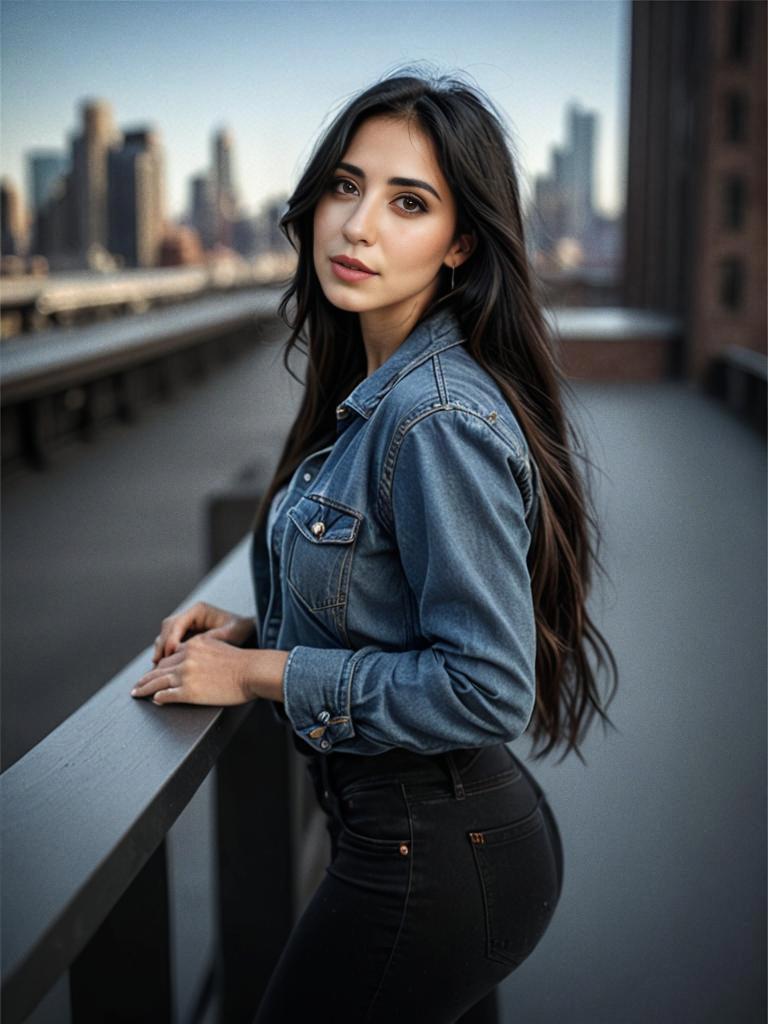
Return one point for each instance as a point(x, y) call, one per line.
point(445, 872)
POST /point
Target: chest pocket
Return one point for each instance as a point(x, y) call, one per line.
point(321, 542)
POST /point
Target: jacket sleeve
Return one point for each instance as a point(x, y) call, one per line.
point(458, 514)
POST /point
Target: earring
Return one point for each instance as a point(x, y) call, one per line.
point(453, 272)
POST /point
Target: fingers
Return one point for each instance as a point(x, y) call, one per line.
point(174, 627)
point(153, 683)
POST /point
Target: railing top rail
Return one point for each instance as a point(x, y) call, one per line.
point(59, 357)
point(84, 809)
point(747, 359)
point(613, 323)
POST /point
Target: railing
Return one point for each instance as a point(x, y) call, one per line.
point(740, 377)
point(85, 818)
point(61, 381)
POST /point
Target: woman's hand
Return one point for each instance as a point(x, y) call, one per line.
point(200, 618)
point(208, 670)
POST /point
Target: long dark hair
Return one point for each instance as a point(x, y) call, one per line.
point(494, 301)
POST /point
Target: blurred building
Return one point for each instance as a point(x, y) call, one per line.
point(564, 228)
point(135, 191)
point(696, 188)
point(180, 246)
point(55, 230)
point(12, 219)
point(89, 177)
point(224, 194)
point(268, 236)
point(202, 210)
point(45, 168)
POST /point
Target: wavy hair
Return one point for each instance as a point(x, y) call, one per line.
point(496, 305)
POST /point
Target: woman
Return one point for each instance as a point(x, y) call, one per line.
point(421, 562)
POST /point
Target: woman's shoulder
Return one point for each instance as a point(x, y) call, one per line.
point(452, 381)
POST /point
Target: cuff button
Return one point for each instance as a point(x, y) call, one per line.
point(324, 717)
point(324, 744)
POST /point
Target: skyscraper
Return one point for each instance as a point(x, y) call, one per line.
point(89, 175)
point(44, 168)
point(563, 200)
point(579, 170)
point(225, 197)
point(202, 212)
point(12, 219)
point(135, 189)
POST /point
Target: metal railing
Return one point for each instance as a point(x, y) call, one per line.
point(66, 381)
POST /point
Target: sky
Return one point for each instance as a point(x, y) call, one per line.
point(274, 72)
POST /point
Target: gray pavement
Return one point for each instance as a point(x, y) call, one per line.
point(662, 913)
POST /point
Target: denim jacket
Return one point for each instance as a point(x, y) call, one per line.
point(393, 565)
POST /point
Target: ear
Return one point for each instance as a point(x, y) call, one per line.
point(461, 249)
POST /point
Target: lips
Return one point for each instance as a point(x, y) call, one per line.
point(353, 264)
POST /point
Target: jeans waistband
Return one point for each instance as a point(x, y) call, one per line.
point(448, 772)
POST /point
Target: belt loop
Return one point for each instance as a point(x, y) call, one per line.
point(458, 785)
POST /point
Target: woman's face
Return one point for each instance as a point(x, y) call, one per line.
point(389, 207)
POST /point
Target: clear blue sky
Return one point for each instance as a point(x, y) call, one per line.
point(273, 72)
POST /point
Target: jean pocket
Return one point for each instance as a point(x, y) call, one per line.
point(519, 881)
point(376, 819)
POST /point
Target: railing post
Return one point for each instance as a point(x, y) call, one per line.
point(255, 862)
point(123, 974)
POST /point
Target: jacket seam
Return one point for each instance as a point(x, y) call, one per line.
point(384, 498)
point(437, 366)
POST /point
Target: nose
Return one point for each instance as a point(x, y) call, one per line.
point(360, 226)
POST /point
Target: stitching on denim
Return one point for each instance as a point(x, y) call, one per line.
point(311, 608)
point(405, 908)
point(442, 391)
point(471, 789)
point(384, 497)
point(323, 499)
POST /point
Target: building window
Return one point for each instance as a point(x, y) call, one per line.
point(736, 106)
point(731, 283)
point(734, 202)
point(739, 15)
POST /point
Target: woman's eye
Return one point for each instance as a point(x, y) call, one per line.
point(342, 181)
point(414, 205)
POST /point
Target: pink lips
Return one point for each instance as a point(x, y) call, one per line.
point(350, 269)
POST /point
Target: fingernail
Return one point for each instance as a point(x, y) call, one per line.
point(134, 691)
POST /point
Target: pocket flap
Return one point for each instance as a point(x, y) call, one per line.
point(323, 522)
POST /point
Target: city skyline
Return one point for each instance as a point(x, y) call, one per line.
point(268, 155)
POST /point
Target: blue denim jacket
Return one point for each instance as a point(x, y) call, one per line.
point(393, 566)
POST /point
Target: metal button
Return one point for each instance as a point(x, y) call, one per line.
point(324, 717)
point(318, 529)
point(324, 744)
point(341, 411)
point(404, 849)
point(307, 477)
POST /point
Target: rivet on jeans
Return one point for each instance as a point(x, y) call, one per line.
point(404, 849)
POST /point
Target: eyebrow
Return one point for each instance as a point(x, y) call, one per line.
point(408, 182)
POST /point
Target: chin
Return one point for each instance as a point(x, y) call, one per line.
point(345, 298)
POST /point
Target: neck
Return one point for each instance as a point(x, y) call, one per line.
point(384, 330)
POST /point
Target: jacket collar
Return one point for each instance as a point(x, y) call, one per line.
point(438, 332)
